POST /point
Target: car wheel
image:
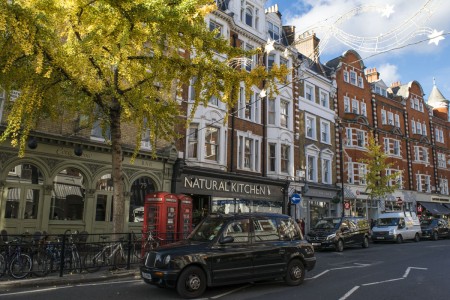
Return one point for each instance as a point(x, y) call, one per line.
point(365, 243)
point(417, 238)
point(399, 239)
point(295, 273)
point(340, 246)
point(435, 236)
point(191, 283)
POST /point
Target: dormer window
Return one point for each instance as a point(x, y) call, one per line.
point(274, 32)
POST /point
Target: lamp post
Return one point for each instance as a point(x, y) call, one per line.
point(341, 163)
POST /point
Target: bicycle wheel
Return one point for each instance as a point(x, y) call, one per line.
point(74, 263)
point(20, 266)
point(2, 265)
point(42, 264)
point(120, 259)
point(93, 264)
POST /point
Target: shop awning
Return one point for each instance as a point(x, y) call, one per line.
point(61, 191)
point(435, 208)
point(14, 194)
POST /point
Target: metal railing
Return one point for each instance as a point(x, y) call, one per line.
point(79, 252)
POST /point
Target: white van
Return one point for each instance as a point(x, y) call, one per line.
point(397, 226)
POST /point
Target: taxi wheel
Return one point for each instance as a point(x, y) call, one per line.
point(191, 283)
point(399, 239)
point(295, 273)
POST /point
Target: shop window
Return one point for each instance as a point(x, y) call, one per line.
point(140, 187)
point(24, 183)
point(68, 195)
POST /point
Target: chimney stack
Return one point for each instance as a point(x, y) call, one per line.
point(396, 84)
point(372, 75)
point(308, 45)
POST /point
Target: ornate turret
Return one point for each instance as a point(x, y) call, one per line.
point(438, 102)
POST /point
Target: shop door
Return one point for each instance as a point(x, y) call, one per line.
point(22, 208)
point(103, 212)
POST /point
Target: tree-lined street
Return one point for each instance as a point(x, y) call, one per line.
point(383, 271)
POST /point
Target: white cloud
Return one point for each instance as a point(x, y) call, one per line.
point(389, 73)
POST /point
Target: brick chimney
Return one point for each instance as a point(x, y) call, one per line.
point(308, 45)
point(372, 75)
point(396, 84)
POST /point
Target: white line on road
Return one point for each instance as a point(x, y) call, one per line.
point(409, 269)
point(405, 275)
point(36, 291)
point(384, 281)
point(349, 293)
point(232, 291)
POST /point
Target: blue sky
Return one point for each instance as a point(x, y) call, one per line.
point(402, 24)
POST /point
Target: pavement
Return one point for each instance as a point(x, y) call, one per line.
point(7, 284)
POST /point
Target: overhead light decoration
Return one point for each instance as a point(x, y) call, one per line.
point(269, 46)
point(396, 37)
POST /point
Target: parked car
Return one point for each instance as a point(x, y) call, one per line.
point(339, 232)
point(229, 249)
point(435, 228)
point(396, 227)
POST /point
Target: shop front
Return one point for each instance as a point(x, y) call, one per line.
point(318, 203)
point(54, 188)
point(215, 191)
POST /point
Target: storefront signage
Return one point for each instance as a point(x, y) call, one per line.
point(226, 186)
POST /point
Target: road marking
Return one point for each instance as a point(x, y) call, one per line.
point(405, 275)
point(357, 265)
point(232, 291)
point(407, 270)
point(349, 293)
point(36, 291)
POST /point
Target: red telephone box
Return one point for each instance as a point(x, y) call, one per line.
point(160, 215)
point(184, 216)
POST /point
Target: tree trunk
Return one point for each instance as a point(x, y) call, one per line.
point(117, 169)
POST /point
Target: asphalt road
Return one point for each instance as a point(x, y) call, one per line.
point(382, 271)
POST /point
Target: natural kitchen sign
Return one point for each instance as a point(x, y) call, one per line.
point(217, 187)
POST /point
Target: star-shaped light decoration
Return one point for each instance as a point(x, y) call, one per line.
point(286, 53)
point(435, 37)
point(269, 46)
point(263, 93)
point(388, 11)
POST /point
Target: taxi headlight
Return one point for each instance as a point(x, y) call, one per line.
point(166, 260)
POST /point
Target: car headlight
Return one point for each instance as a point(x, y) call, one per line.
point(166, 260)
point(331, 236)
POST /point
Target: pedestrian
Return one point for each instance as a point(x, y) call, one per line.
point(302, 226)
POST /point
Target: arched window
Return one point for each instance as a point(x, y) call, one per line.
point(141, 187)
point(249, 16)
point(24, 183)
point(103, 205)
point(68, 195)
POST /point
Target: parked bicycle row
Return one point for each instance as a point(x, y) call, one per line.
point(41, 254)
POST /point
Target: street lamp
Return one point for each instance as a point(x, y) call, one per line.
point(341, 162)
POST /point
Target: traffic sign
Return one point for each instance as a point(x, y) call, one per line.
point(296, 198)
point(346, 204)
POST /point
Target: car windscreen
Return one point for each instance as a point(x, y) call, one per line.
point(328, 224)
point(425, 223)
point(207, 230)
point(387, 222)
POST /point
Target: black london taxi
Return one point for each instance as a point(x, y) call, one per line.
point(230, 249)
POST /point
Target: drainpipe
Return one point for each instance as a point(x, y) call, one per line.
point(233, 117)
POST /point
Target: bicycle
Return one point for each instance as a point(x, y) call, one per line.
point(110, 255)
point(48, 256)
point(142, 246)
point(12, 259)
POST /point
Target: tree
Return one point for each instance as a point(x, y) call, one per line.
point(378, 182)
point(115, 61)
